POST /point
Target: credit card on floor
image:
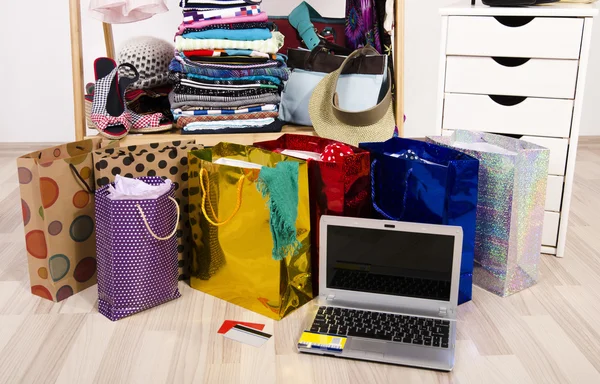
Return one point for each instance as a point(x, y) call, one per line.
point(247, 335)
point(228, 324)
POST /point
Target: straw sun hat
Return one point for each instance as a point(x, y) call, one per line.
point(329, 120)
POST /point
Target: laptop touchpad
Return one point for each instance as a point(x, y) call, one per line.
point(368, 345)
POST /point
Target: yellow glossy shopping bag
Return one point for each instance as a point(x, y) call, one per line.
point(233, 224)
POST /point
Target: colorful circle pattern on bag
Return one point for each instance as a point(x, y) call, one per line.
point(78, 152)
point(35, 242)
point(81, 199)
point(25, 175)
point(54, 239)
point(40, 290)
point(49, 191)
point(85, 270)
point(26, 212)
point(64, 292)
point(81, 228)
point(86, 172)
point(55, 228)
point(43, 273)
point(59, 266)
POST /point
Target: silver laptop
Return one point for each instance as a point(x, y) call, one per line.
point(388, 292)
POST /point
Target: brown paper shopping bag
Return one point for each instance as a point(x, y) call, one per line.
point(58, 215)
point(166, 160)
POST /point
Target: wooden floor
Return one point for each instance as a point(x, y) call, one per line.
point(547, 334)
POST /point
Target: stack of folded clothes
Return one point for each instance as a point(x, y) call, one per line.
point(227, 73)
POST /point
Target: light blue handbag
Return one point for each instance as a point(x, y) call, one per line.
point(366, 76)
point(310, 66)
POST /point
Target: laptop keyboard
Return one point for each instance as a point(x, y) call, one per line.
point(391, 285)
point(382, 326)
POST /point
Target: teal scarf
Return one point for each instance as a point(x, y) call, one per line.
point(280, 186)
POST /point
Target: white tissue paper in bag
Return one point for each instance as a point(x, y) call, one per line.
point(237, 163)
point(133, 189)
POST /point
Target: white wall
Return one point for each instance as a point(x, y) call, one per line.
point(36, 78)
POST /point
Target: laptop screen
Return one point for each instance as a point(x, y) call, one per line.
point(390, 262)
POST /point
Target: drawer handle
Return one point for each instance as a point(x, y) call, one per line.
point(514, 21)
point(507, 101)
point(510, 61)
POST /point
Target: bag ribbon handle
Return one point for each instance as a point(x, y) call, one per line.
point(205, 190)
point(148, 225)
point(373, 198)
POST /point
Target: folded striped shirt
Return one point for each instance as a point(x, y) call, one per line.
point(259, 18)
point(228, 87)
point(227, 80)
point(181, 58)
point(178, 112)
point(190, 16)
point(175, 77)
point(183, 121)
point(175, 66)
point(217, 125)
point(195, 108)
point(232, 26)
point(216, 3)
point(274, 127)
point(178, 100)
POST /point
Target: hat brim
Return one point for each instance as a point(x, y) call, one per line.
point(326, 124)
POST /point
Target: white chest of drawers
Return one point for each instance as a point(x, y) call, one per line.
point(520, 72)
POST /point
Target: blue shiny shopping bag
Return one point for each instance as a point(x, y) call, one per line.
point(422, 182)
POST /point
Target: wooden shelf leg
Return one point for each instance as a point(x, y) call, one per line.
point(399, 64)
point(108, 40)
point(77, 64)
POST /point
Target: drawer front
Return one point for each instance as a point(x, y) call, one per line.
point(511, 115)
point(554, 191)
point(550, 232)
point(509, 76)
point(558, 152)
point(516, 36)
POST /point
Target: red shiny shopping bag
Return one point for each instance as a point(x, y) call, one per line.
point(338, 187)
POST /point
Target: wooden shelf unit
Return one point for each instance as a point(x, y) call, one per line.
point(210, 140)
point(248, 138)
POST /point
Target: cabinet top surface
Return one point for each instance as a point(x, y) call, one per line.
point(549, 10)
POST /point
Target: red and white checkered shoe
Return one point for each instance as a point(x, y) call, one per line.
point(109, 113)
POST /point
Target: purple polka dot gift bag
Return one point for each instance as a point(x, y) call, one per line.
point(136, 251)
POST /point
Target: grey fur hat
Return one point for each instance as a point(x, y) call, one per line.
point(151, 57)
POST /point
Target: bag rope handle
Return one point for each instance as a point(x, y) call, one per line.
point(240, 187)
point(148, 225)
point(76, 173)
